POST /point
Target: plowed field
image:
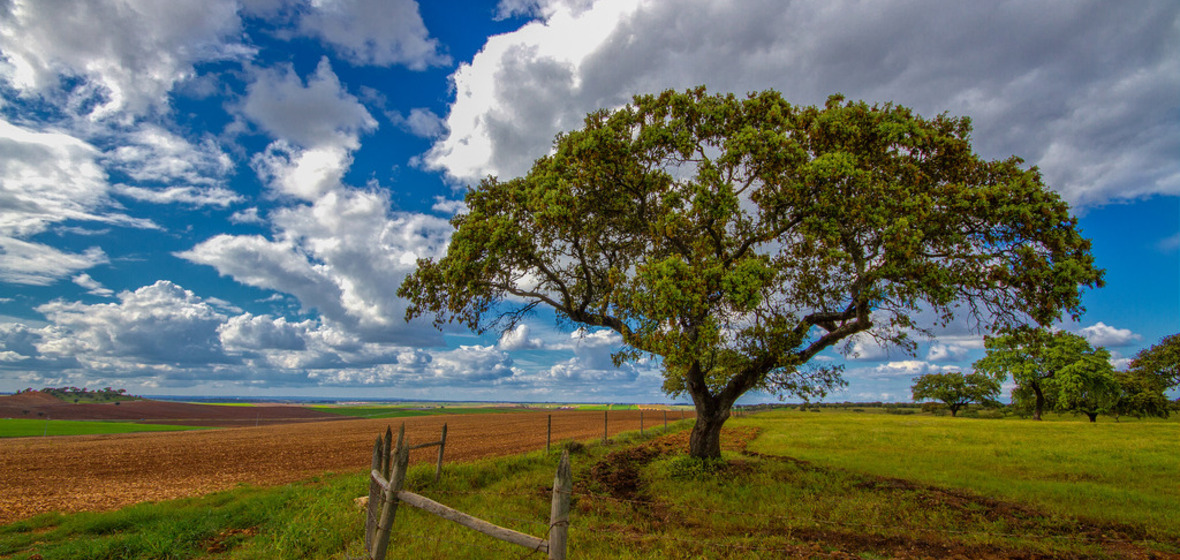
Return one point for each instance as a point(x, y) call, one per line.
point(91, 473)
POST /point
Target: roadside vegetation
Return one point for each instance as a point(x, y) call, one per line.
point(837, 484)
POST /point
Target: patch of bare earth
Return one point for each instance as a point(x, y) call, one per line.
point(103, 472)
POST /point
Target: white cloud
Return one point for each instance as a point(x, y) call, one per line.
point(304, 174)
point(940, 352)
point(420, 122)
point(247, 216)
point(1082, 90)
point(192, 196)
point(157, 324)
point(1101, 334)
point(518, 339)
point(449, 207)
point(343, 255)
point(375, 32)
point(48, 177)
point(36, 264)
point(318, 114)
point(901, 368)
point(189, 173)
point(93, 287)
point(129, 53)
point(592, 362)
point(263, 332)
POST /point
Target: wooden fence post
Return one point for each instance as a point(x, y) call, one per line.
point(401, 462)
point(559, 512)
point(604, 432)
point(641, 422)
point(665, 420)
point(548, 433)
point(442, 444)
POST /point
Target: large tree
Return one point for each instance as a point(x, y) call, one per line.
point(1161, 361)
point(737, 238)
point(956, 390)
point(1052, 370)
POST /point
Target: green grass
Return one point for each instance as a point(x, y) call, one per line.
point(873, 486)
point(21, 427)
point(1119, 472)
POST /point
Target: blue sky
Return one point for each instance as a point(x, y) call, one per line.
point(222, 197)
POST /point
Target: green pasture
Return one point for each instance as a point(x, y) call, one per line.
point(1123, 471)
point(21, 427)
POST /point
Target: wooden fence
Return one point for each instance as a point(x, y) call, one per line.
point(385, 493)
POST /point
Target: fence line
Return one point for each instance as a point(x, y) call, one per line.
point(389, 466)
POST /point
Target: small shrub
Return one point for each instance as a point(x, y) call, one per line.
point(687, 467)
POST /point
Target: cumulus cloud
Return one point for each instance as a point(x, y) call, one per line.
point(316, 114)
point(262, 332)
point(1081, 90)
point(343, 255)
point(592, 362)
point(375, 32)
point(1101, 334)
point(518, 339)
point(899, 369)
point(161, 323)
point(127, 53)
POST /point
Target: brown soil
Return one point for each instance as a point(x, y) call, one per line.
point(92, 473)
point(40, 405)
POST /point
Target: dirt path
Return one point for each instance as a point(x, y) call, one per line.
point(91, 473)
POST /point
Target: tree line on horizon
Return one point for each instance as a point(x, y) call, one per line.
point(1060, 371)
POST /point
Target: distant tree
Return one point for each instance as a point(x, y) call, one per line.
point(737, 238)
point(1052, 370)
point(1140, 395)
point(1161, 361)
point(956, 390)
point(1088, 386)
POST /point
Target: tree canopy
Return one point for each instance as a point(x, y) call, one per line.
point(1161, 361)
point(1052, 370)
point(956, 390)
point(737, 238)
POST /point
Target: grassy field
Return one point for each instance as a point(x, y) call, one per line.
point(1125, 471)
point(828, 485)
point(20, 427)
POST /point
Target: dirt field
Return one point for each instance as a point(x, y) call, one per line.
point(90, 473)
point(40, 405)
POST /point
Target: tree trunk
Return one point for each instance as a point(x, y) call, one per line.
point(1040, 402)
point(712, 412)
point(1093, 416)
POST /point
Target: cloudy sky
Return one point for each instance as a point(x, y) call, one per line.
point(221, 197)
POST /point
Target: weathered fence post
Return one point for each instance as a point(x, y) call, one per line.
point(559, 512)
point(401, 462)
point(548, 433)
point(604, 432)
point(641, 422)
point(665, 420)
point(442, 444)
